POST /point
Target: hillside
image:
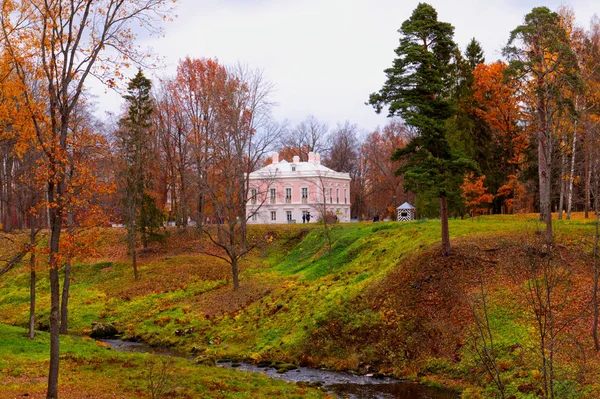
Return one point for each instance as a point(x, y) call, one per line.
point(391, 304)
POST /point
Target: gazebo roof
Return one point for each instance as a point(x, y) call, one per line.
point(406, 205)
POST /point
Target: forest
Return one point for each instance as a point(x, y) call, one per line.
point(467, 138)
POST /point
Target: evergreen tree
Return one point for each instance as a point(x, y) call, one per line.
point(471, 134)
point(419, 89)
point(134, 140)
point(474, 54)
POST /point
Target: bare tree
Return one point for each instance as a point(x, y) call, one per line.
point(244, 135)
point(326, 215)
point(342, 154)
point(173, 130)
point(482, 338)
point(310, 135)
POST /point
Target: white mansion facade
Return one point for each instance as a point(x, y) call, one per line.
point(284, 192)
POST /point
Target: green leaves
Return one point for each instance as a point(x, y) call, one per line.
point(421, 88)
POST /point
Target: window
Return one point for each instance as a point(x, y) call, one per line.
point(404, 214)
point(254, 218)
point(273, 195)
point(304, 195)
point(273, 216)
point(288, 215)
point(288, 195)
point(345, 195)
point(293, 168)
point(253, 196)
point(337, 195)
point(330, 195)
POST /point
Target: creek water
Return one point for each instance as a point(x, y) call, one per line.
point(340, 384)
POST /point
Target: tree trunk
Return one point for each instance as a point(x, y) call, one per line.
point(182, 204)
point(32, 279)
point(132, 241)
point(544, 171)
point(54, 193)
point(235, 273)
point(143, 222)
point(445, 230)
point(571, 174)
point(588, 174)
point(64, 305)
point(201, 199)
point(595, 290)
point(133, 252)
point(563, 172)
point(8, 206)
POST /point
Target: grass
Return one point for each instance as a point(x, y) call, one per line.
point(290, 308)
point(110, 374)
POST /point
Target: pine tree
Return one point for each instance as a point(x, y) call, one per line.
point(135, 138)
point(474, 54)
point(419, 89)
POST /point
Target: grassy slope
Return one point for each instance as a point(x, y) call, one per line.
point(290, 308)
point(109, 374)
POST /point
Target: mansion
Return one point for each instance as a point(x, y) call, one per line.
point(285, 192)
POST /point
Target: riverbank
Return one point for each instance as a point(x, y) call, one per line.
point(339, 384)
point(90, 370)
point(390, 304)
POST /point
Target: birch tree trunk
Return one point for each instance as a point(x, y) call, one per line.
point(571, 174)
point(563, 172)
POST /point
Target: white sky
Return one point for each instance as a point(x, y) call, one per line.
point(325, 56)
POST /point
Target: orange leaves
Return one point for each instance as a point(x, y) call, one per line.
point(475, 194)
point(514, 195)
point(497, 103)
point(496, 100)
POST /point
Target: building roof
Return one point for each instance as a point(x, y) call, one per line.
point(284, 168)
point(406, 205)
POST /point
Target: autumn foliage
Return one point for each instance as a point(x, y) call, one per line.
point(475, 194)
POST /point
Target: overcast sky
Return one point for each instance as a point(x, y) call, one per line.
point(325, 56)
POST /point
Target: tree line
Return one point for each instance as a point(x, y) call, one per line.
point(519, 135)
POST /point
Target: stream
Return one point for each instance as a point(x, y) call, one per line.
point(341, 384)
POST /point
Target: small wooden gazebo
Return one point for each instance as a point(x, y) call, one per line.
point(406, 212)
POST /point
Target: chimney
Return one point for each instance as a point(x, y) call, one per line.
point(296, 159)
point(275, 157)
point(311, 157)
point(318, 159)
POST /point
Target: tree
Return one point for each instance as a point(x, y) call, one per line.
point(343, 144)
point(197, 90)
point(172, 128)
point(474, 54)
point(379, 188)
point(475, 194)
point(417, 88)
point(134, 138)
point(310, 135)
point(496, 103)
point(587, 47)
point(326, 215)
point(539, 51)
point(69, 41)
point(243, 135)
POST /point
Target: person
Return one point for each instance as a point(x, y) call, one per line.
point(308, 217)
point(303, 218)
